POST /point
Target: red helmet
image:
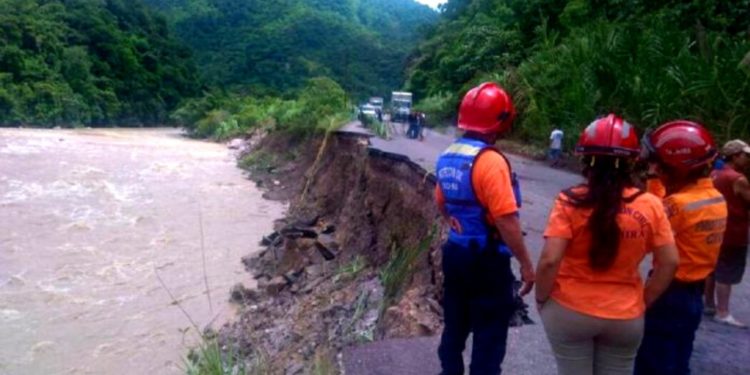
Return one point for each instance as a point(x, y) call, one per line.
point(681, 144)
point(610, 135)
point(486, 109)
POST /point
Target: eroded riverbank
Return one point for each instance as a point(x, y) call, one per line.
point(88, 217)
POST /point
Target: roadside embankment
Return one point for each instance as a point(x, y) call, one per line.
point(355, 260)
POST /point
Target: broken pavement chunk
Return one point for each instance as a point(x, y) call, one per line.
point(270, 239)
point(329, 229)
point(296, 232)
point(306, 220)
point(324, 251)
point(273, 286)
point(241, 294)
point(292, 276)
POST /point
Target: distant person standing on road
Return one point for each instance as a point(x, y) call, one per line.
point(421, 124)
point(555, 146)
point(683, 152)
point(589, 290)
point(412, 121)
point(733, 185)
point(476, 193)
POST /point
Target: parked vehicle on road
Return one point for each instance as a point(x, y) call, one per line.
point(377, 102)
point(401, 105)
point(369, 111)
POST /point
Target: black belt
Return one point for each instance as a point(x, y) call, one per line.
point(679, 284)
point(698, 285)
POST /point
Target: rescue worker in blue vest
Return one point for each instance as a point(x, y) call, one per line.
point(478, 195)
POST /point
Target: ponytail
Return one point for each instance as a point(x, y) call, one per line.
point(608, 177)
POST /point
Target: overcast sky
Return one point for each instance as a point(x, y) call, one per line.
point(432, 3)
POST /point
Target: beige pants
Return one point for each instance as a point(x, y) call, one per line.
point(585, 345)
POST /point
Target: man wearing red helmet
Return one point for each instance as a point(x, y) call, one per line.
point(683, 152)
point(479, 196)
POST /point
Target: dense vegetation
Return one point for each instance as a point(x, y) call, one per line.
point(568, 61)
point(115, 62)
point(320, 106)
point(274, 47)
point(67, 62)
point(293, 64)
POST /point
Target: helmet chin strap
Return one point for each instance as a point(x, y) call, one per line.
point(648, 151)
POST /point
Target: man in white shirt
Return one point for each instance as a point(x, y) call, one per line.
point(555, 147)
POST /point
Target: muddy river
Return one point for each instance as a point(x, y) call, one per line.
point(89, 222)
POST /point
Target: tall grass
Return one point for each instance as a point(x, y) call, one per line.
point(323, 363)
point(209, 359)
point(399, 268)
point(380, 129)
point(350, 270)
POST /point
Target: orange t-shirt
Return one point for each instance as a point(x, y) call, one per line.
point(698, 214)
point(490, 176)
point(655, 187)
point(616, 293)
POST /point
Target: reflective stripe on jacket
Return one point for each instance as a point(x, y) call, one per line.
point(454, 172)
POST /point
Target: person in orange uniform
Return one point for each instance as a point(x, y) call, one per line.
point(589, 291)
point(684, 152)
point(475, 192)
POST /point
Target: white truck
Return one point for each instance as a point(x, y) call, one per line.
point(377, 102)
point(401, 105)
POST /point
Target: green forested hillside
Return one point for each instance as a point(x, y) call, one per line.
point(67, 62)
point(275, 46)
point(115, 62)
point(567, 61)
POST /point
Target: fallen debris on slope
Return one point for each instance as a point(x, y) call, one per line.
point(356, 259)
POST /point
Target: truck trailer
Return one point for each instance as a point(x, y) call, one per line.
point(400, 105)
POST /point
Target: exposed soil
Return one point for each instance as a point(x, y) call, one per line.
point(355, 260)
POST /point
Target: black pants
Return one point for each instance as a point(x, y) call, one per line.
point(412, 132)
point(669, 332)
point(478, 298)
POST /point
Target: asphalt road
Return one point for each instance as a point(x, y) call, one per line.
point(718, 349)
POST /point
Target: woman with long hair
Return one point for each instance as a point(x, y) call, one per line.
point(589, 289)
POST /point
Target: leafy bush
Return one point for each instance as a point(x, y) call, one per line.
point(193, 110)
point(209, 126)
point(439, 107)
point(649, 73)
point(321, 106)
point(258, 160)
